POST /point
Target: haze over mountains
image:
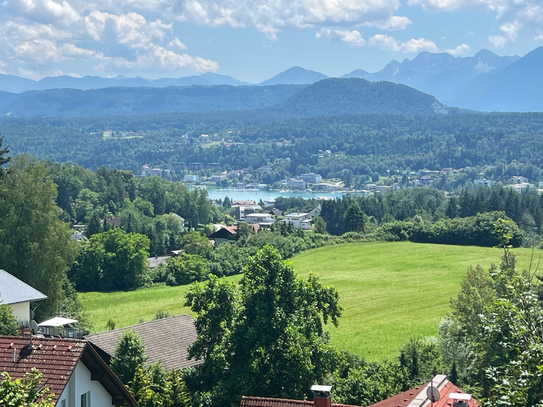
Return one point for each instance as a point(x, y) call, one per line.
point(485, 82)
point(328, 97)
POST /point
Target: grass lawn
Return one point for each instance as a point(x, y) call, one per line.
point(389, 291)
point(128, 308)
point(393, 291)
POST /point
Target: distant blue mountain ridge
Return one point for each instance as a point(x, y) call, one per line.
point(485, 81)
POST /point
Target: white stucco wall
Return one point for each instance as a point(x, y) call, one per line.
point(21, 311)
point(81, 383)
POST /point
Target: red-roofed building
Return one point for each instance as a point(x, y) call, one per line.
point(449, 395)
point(71, 369)
point(228, 233)
point(273, 402)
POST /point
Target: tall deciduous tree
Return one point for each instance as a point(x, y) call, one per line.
point(35, 245)
point(24, 392)
point(112, 260)
point(268, 333)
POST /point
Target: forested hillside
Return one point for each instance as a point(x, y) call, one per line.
point(327, 97)
point(362, 147)
point(358, 96)
point(133, 101)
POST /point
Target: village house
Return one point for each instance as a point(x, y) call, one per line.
point(517, 179)
point(444, 394)
point(485, 183)
point(294, 183)
point(147, 171)
point(263, 219)
point(243, 211)
point(218, 176)
point(298, 220)
point(224, 234)
point(521, 187)
point(228, 233)
point(314, 213)
point(190, 178)
point(165, 339)
point(18, 295)
point(311, 178)
point(72, 370)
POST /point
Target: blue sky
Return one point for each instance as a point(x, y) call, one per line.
point(252, 40)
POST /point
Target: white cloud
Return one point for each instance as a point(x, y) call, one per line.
point(349, 37)
point(512, 15)
point(270, 16)
point(498, 41)
point(176, 44)
point(393, 23)
point(388, 43)
point(107, 41)
point(44, 11)
point(462, 49)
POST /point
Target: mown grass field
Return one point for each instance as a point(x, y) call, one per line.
point(390, 291)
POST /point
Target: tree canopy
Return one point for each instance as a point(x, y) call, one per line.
point(129, 356)
point(8, 322)
point(24, 392)
point(112, 260)
point(35, 245)
point(268, 332)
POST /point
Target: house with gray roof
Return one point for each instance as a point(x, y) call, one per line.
point(165, 339)
point(18, 295)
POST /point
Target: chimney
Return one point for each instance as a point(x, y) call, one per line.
point(321, 395)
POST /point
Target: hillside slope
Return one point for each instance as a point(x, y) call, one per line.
point(336, 96)
point(518, 87)
point(131, 101)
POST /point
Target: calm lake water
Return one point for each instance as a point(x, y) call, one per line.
point(220, 193)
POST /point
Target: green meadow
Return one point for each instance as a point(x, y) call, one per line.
point(389, 291)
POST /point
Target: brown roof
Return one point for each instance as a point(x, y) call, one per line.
point(400, 400)
point(247, 401)
point(165, 339)
point(416, 397)
point(56, 359)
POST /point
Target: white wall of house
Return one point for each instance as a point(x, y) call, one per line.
point(305, 224)
point(81, 383)
point(258, 218)
point(315, 212)
point(21, 310)
point(296, 219)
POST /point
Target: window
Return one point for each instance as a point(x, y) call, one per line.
point(63, 403)
point(85, 399)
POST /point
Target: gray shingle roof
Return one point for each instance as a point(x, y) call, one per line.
point(165, 339)
point(13, 290)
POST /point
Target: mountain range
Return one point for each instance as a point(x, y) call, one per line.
point(333, 96)
point(485, 82)
point(15, 84)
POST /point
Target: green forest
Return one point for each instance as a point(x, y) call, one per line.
point(63, 176)
point(363, 148)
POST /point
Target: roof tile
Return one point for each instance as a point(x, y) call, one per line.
point(165, 339)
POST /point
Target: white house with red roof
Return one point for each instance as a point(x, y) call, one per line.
point(71, 369)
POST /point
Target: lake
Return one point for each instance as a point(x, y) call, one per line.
point(237, 195)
